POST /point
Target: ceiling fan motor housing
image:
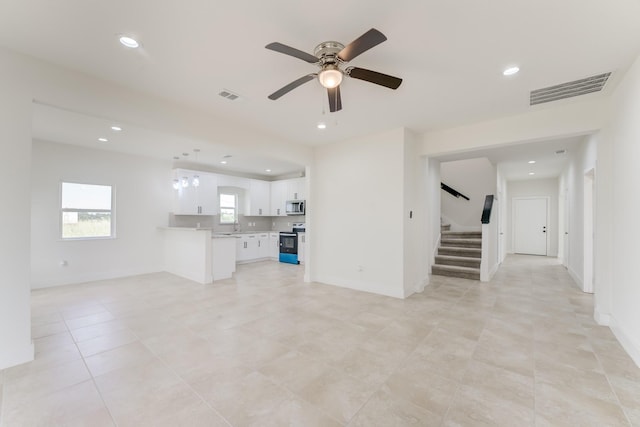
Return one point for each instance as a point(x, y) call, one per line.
point(327, 52)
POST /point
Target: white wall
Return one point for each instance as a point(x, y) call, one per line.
point(358, 212)
point(502, 214)
point(624, 134)
point(142, 203)
point(475, 178)
point(15, 162)
point(416, 262)
point(535, 188)
point(577, 118)
point(433, 209)
point(571, 183)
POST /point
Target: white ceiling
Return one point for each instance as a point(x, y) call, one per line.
point(449, 53)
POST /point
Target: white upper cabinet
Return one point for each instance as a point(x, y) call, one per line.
point(296, 189)
point(258, 198)
point(195, 200)
point(278, 197)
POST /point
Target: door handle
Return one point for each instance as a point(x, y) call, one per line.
point(544, 229)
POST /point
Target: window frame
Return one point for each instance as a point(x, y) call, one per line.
point(235, 208)
point(61, 210)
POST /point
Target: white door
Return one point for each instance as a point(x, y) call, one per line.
point(530, 226)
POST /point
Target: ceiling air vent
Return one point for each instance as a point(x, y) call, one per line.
point(229, 95)
point(569, 89)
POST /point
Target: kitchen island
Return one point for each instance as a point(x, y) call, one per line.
point(198, 254)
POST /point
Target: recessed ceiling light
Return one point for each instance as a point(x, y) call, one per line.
point(532, 173)
point(129, 42)
point(116, 128)
point(511, 71)
point(227, 156)
point(224, 162)
point(531, 162)
point(322, 125)
point(103, 140)
point(267, 170)
point(561, 151)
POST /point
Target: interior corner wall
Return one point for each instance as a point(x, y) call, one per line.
point(433, 208)
point(573, 180)
point(358, 206)
point(535, 188)
point(142, 203)
point(503, 197)
point(475, 178)
point(16, 346)
point(414, 215)
point(624, 135)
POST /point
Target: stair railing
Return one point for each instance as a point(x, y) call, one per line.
point(452, 191)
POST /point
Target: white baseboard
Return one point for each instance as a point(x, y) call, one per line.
point(93, 277)
point(16, 356)
point(601, 319)
point(374, 288)
point(494, 270)
point(419, 286)
point(576, 278)
point(631, 347)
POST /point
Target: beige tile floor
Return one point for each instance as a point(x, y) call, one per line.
point(266, 349)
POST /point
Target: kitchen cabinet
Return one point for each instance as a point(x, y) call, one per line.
point(278, 197)
point(288, 189)
point(191, 200)
point(263, 246)
point(246, 247)
point(302, 237)
point(274, 245)
point(258, 198)
point(296, 189)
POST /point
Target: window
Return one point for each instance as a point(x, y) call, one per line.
point(228, 208)
point(86, 211)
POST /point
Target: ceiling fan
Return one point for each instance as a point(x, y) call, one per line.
point(331, 57)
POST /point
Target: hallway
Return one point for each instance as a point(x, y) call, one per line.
point(265, 348)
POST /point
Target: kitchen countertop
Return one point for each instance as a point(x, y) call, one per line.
point(218, 233)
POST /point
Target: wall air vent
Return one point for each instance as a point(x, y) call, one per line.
point(231, 96)
point(569, 89)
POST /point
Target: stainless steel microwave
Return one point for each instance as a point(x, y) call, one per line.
point(295, 207)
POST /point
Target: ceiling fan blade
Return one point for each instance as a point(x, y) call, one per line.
point(291, 86)
point(363, 43)
point(335, 100)
point(374, 77)
point(291, 51)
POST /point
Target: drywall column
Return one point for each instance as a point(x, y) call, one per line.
point(15, 216)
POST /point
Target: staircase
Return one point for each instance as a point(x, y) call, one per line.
point(459, 254)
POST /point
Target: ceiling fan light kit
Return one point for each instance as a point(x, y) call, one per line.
point(330, 76)
point(330, 57)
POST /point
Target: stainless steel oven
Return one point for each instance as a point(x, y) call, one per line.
point(289, 247)
point(289, 244)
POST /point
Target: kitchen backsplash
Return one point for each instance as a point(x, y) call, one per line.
point(245, 223)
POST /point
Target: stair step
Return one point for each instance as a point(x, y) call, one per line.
point(460, 261)
point(445, 227)
point(463, 243)
point(457, 251)
point(455, 271)
point(462, 234)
